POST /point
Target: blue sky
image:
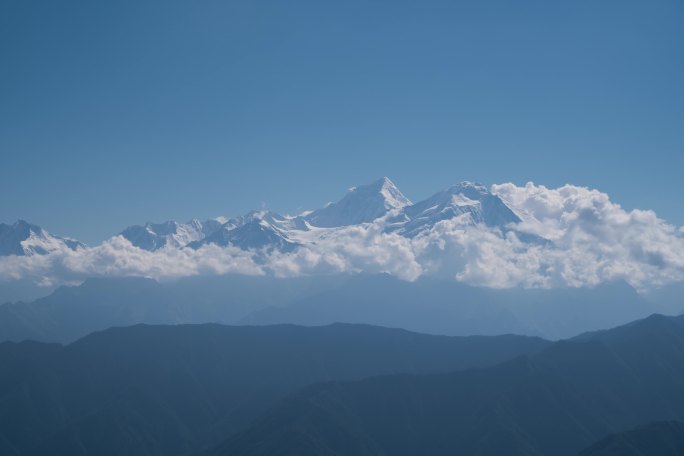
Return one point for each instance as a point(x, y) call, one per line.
point(115, 113)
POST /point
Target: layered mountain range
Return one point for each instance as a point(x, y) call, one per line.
point(557, 402)
point(213, 390)
point(343, 385)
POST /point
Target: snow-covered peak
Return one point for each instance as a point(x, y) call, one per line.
point(154, 236)
point(456, 195)
point(23, 238)
point(471, 184)
point(463, 198)
point(384, 187)
point(360, 205)
point(394, 199)
point(265, 215)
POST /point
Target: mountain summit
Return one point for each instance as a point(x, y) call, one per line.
point(153, 236)
point(471, 199)
point(24, 239)
point(255, 230)
point(360, 205)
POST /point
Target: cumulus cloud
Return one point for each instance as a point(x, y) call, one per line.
point(568, 236)
point(362, 248)
point(481, 256)
point(593, 239)
point(118, 257)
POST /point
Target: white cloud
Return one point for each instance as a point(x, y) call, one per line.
point(594, 239)
point(363, 248)
point(481, 256)
point(118, 257)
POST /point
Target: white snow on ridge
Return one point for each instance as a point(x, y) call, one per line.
point(171, 234)
point(40, 243)
point(23, 238)
point(462, 200)
point(361, 204)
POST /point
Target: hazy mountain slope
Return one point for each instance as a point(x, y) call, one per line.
point(448, 307)
point(167, 390)
point(669, 298)
point(73, 312)
point(429, 306)
point(565, 312)
point(661, 438)
point(25, 290)
point(426, 305)
point(557, 402)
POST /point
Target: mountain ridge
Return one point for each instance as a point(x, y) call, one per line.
point(556, 402)
point(360, 205)
point(149, 390)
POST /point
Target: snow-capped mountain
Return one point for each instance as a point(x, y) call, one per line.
point(466, 198)
point(25, 239)
point(380, 201)
point(153, 236)
point(360, 205)
point(255, 230)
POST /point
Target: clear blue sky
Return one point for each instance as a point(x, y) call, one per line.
point(115, 113)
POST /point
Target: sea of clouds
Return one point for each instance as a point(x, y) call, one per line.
point(568, 236)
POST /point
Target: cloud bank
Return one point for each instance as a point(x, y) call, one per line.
point(568, 236)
